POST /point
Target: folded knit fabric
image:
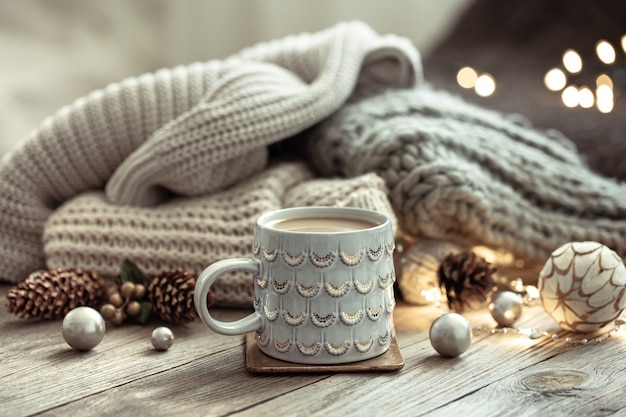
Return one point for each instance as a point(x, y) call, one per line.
point(190, 130)
point(193, 232)
point(460, 173)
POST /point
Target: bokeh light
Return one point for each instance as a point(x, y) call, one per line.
point(485, 85)
point(555, 79)
point(570, 96)
point(604, 98)
point(466, 77)
point(585, 97)
point(606, 52)
point(572, 61)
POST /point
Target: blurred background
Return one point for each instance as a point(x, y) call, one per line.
point(54, 51)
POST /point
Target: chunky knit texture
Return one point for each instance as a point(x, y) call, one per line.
point(193, 232)
point(471, 176)
point(190, 131)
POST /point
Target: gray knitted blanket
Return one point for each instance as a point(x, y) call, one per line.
point(472, 176)
point(93, 185)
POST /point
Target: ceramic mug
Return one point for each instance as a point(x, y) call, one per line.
point(323, 285)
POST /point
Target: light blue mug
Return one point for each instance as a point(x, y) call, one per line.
point(323, 285)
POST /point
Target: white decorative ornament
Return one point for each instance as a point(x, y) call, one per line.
point(583, 286)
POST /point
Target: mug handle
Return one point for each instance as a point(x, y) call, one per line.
point(250, 323)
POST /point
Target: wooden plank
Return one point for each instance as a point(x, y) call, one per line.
point(39, 371)
point(213, 385)
point(586, 381)
point(204, 373)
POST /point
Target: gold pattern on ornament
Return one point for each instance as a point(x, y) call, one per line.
point(309, 350)
point(364, 288)
point(293, 260)
point(294, 320)
point(271, 255)
point(390, 306)
point(338, 350)
point(375, 254)
point(281, 287)
point(351, 319)
point(339, 291)
point(390, 247)
point(322, 261)
point(351, 260)
point(271, 315)
point(323, 321)
point(282, 347)
point(374, 314)
point(364, 347)
point(582, 286)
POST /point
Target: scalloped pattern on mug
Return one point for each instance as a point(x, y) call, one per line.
point(269, 255)
point(309, 350)
point(364, 288)
point(281, 287)
point(283, 347)
point(363, 347)
point(338, 291)
point(308, 291)
point(294, 319)
point(322, 261)
point(374, 314)
point(323, 321)
point(337, 350)
point(271, 315)
point(257, 303)
point(375, 255)
point(293, 260)
point(261, 281)
point(385, 281)
point(351, 319)
point(351, 260)
point(390, 247)
point(262, 339)
point(382, 340)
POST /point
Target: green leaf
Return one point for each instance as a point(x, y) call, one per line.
point(144, 314)
point(132, 273)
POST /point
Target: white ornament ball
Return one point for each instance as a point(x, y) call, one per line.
point(506, 308)
point(162, 338)
point(450, 335)
point(83, 328)
point(582, 286)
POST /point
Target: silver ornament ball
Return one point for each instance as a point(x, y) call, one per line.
point(450, 335)
point(162, 338)
point(83, 328)
point(506, 308)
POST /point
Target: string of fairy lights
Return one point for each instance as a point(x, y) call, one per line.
point(584, 85)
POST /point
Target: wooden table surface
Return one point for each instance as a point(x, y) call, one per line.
point(204, 373)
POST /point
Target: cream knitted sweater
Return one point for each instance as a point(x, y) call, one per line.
point(189, 131)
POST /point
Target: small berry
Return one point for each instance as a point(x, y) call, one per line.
point(116, 299)
point(107, 311)
point(140, 291)
point(133, 308)
point(127, 289)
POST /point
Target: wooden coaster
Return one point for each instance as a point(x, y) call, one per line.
point(259, 362)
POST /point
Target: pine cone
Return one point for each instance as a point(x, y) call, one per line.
point(467, 279)
point(52, 294)
point(171, 293)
